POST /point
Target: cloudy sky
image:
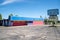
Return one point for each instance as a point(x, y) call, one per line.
point(28, 8)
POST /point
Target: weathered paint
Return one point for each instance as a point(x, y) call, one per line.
point(1, 22)
point(15, 18)
point(38, 23)
point(6, 22)
point(19, 23)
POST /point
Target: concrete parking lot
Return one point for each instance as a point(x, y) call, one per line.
point(30, 33)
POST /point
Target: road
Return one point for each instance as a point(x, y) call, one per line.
point(29, 33)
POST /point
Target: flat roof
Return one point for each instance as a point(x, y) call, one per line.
point(15, 18)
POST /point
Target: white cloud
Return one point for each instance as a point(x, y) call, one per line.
point(10, 1)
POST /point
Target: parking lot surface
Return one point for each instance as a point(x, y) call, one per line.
point(30, 33)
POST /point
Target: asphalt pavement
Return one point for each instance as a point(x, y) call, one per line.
point(30, 33)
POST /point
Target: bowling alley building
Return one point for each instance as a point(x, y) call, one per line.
point(21, 21)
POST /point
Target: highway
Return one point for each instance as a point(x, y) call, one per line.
point(30, 33)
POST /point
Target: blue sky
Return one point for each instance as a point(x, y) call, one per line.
point(28, 8)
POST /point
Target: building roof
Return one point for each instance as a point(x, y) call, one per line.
point(16, 18)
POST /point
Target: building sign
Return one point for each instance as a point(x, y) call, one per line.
point(53, 12)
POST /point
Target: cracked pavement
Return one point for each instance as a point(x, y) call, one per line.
point(29, 33)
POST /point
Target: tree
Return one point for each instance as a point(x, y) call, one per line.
point(10, 16)
point(16, 15)
point(53, 23)
point(40, 16)
point(0, 16)
point(45, 21)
